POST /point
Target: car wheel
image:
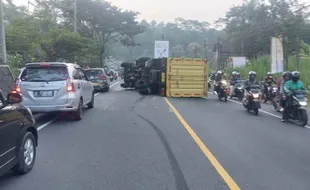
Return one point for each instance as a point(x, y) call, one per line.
point(78, 114)
point(90, 105)
point(27, 154)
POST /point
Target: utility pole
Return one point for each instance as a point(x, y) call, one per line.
point(75, 16)
point(28, 6)
point(218, 53)
point(242, 48)
point(3, 45)
point(206, 50)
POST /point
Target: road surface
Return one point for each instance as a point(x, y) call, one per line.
point(135, 142)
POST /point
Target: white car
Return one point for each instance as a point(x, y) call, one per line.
point(55, 87)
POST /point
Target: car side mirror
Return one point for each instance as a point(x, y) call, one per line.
point(14, 98)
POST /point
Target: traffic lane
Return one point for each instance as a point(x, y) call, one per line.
point(109, 149)
point(259, 152)
point(188, 159)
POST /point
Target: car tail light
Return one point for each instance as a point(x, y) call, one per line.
point(70, 86)
point(162, 92)
point(17, 86)
point(44, 65)
point(103, 77)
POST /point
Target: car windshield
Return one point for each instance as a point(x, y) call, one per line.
point(94, 73)
point(36, 74)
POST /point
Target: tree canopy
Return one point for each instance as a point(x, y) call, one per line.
point(104, 30)
point(47, 32)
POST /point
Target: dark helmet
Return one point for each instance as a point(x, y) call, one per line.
point(252, 75)
point(295, 76)
point(287, 75)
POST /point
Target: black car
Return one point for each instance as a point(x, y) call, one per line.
point(18, 135)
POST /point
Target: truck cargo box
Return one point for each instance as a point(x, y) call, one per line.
point(186, 77)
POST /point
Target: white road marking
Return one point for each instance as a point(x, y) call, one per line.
point(45, 124)
point(51, 121)
point(115, 84)
point(263, 111)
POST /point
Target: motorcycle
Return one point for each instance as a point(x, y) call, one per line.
point(298, 113)
point(271, 93)
point(222, 90)
point(239, 90)
point(251, 101)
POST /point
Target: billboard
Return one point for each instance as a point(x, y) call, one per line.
point(277, 58)
point(161, 49)
point(236, 62)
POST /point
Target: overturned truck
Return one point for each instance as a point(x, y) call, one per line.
point(172, 77)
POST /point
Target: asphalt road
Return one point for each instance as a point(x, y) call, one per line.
point(134, 142)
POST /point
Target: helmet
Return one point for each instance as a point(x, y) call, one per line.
point(287, 75)
point(219, 72)
point(238, 74)
point(269, 75)
point(234, 73)
point(295, 76)
point(252, 75)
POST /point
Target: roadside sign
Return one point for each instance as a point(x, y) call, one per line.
point(161, 49)
point(277, 58)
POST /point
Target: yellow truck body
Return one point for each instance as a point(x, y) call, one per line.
point(187, 77)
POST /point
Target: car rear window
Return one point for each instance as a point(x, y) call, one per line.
point(38, 74)
point(94, 73)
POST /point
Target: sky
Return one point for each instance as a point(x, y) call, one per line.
point(168, 10)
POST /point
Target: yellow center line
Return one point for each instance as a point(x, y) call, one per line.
point(223, 173)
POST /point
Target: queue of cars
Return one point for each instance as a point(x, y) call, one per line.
point(41, 88)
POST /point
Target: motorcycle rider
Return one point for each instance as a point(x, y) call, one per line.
point(219, 76)
point(268, 82)
point(289, 87)
point(286, 76)
point(233, 80)
point(238, 76)
point(212, 75)
point(248, 83)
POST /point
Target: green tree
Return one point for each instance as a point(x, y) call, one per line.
point(62, 44)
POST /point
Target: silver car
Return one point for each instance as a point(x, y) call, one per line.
point(55, 87)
